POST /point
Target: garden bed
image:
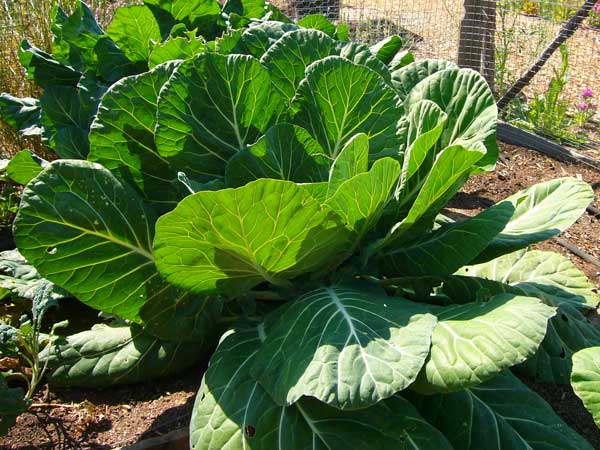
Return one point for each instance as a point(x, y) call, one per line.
point(103, 419)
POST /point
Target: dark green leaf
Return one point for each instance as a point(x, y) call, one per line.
point(44, 69)
point(23, 114)
point(387, 49)
point(12, 404)
point(406, 78)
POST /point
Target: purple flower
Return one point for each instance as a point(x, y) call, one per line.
point(597, 8)
point(583, 106)
point(587, 93)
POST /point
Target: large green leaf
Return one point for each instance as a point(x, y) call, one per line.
point(260, 37)
point(12, 403)
point(347, 348)
point(211, 108)
point(585, 379)
point(500, 414)
point(113, 64)
point(339, 99)
point(122, 137)
point(360, 200)
point(476, 341)
point(44, 69)
point(25, 166)
point(133, 29)
point(541, 211)
point(66, 117)
point(407, 77)
point(204, 15)
point(179, 47)
point(547, 275)
point(554, 279)
point(466, 98)
point(90, 234)
point(288, 58)
point(109, 355)
point(233, 412)
point(230, 240)
point(285, 152)
point(352, 160)
point(23, 114)
point(449, 172)
point(447, 249)
point(76, 36)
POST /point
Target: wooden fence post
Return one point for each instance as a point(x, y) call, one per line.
point(477, 40)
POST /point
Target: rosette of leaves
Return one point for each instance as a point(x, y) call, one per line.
point(291, 185)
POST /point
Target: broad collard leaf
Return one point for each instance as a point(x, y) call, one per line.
point(23, 114)
point(554, 279)
point(347, 348)
point(21, 278)
point(212, 108)
point(585, 379)
point(445, 250)
point(500, 414)
point(387, 49)
point(406, 78)
point(339, 99)
point(233, 412)
point(203, 15)
point(466, 98)
point(113, 64)
point(66, 117)
point(44, 69)
point(180, 316)
point(109, 355)
point(90, 234)
point(259, 38)
point(12, 404)
point(318, 22)
point(474, 342)
point(360, 200)
point(285, 152)
point(76, 36)
point(541, 211)
point(547, 275)
point(178, 47)
point(122, 138)
point(288, 58)
point(25, 166)
point(231, 240)
point(134, 29)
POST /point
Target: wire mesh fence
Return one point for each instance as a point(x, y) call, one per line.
point(503, 38)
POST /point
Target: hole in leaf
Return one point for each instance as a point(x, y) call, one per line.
point(250, 431)
point(564, 317)
point(562, 354)
point(51, 250)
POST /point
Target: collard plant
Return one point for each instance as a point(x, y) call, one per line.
point(285, 192)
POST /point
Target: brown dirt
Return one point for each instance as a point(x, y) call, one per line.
point(102, 419)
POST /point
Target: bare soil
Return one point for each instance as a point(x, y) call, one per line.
point(103, 419)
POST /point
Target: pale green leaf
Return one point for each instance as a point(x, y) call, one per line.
point(233, 412)
point(352, 160)
point(347, 348)
point(541, 212)
point(230, 240)
point(260, 37)
point(318, 22)
point(180, 47)
point(585, 379)
point(476, 341)
point(406, 78)
point(109, 355)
